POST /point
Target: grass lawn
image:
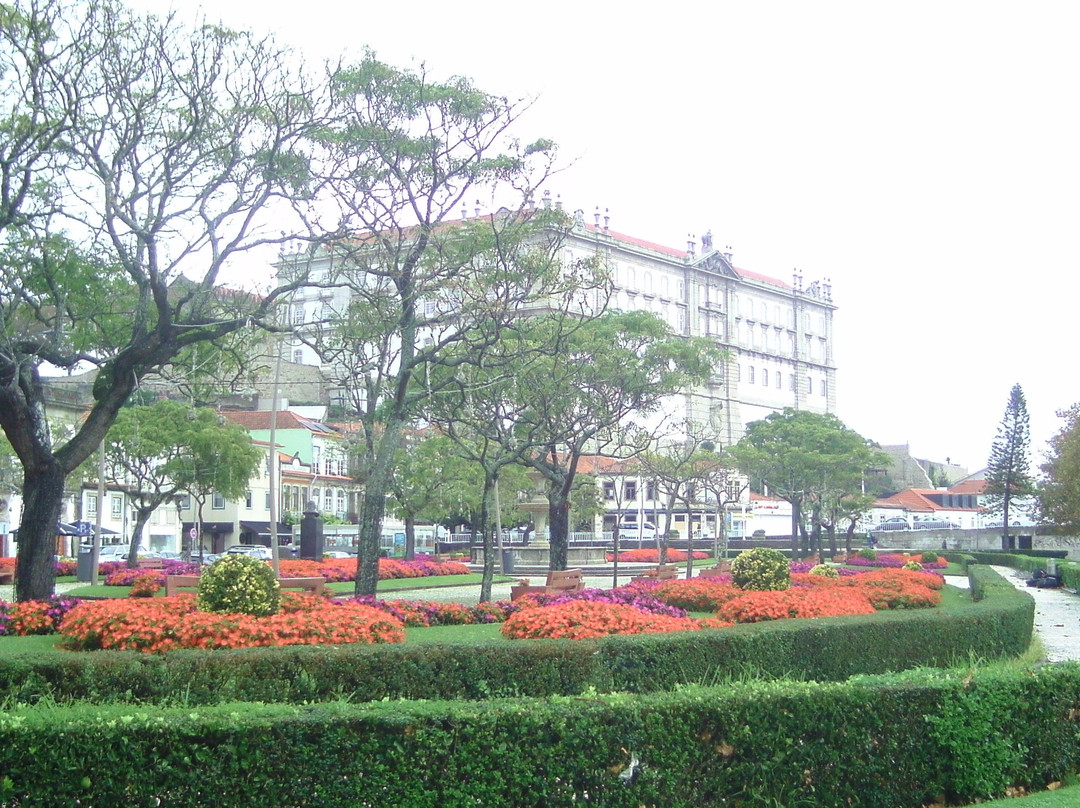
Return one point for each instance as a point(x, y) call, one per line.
point(1058, 798)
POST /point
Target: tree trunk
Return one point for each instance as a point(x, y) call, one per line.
point(142, 516)
point(489, 544)
point(371, 519)
point(559, 526)
point(43, 493)
point(410, 537)
point(796, 521)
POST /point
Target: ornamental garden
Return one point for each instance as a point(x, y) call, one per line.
point(781, 683)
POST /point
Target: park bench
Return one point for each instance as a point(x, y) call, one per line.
point(558, 581)
point(721, 568)
point(152, 563)
point(316, 586)
point(7, 575)
point(661, 572)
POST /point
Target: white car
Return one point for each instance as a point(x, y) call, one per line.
point(259, 551)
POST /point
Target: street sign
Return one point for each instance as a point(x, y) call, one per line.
point(193, 533)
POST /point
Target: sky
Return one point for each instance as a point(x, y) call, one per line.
point(923, 156)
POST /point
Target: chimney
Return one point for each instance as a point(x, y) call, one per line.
point(607, 218)
point(558, 202)
point(547, 199)
point(477, 208)
point(690, 245)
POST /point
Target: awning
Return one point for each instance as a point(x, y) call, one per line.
point(87, 529)
point(210, 527)
point(262, 529)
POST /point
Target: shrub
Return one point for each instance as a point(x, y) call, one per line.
point(582, 620)
point(915, 566)
point(929, 558)
point(239, 584)
point(825, 571)
point(761, 568)
point(868, 554)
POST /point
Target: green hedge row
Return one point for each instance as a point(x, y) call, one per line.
point(1000, 624)
point(893, 741)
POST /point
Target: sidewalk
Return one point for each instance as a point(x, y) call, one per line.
point(1057, 616)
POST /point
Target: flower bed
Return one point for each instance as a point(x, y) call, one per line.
point(165, 624)
point(583, 620)
point(34, 616)
point(895, 561)
point(652, 556)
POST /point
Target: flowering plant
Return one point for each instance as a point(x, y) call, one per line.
point(581, 620)
point(146, 585)
point(34, 616)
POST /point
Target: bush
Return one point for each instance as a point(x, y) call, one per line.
point(868, 554)
point(239, 584)
point(915, 566)
point(824, 570)
point(929, 558)
point(761, 568)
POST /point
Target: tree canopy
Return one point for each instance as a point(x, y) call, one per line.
point(1059, 490)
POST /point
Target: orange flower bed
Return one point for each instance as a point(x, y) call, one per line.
point(585, 620)
point(344, 569)
point(695, 594)
point(652, 556)
point(755, 606)
point(156, 625)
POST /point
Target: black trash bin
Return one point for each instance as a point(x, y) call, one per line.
point(84, 568)
point(507, 561)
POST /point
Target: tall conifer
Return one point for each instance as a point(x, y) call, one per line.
point(1008, 471)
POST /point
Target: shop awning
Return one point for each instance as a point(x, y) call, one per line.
point(262, 529)
point(211, 527)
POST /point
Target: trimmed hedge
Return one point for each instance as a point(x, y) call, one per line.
point(825, 649)
point(892, 741)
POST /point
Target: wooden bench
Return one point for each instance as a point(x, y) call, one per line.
point(152, 563)
point(7, 576)
point(721, 568)
point(316, 586)
point(661, 572)
point(558, 582)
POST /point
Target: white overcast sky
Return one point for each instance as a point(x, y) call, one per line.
point(924, 156)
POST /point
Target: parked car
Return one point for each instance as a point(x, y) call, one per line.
point(895, 523)
point(112, 552)
point(259, 551)
point(935, 524)
point(1001, 523)
point(336, 554)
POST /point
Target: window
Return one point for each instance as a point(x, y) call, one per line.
point(791, 382)
point(750, 377)
point(650, 491)
point(117, 506)
point(298, 314)
point(91, 504)
point(778, 375)
point(266, 504)
point(328, 500)
point(218, 502)
point(764, 377)
point(340, 502)
point(298, 357)
point(185, 502)
point(327, 312)
point(609, 490)
point(809, 385)
point(247, 500)
point(824, 387)
point(630, 490)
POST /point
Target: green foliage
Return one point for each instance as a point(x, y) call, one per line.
point(825, 571)
point(915, 566)
point(761, 568)
point(239, 584)
point(868, 554)
point(1008, 473)
point(929, 557)
point(1059, 492)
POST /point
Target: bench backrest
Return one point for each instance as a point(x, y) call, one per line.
point(565, 580)
point(666, 572)
point(173, 583)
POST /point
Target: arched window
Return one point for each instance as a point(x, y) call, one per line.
point(764, 377)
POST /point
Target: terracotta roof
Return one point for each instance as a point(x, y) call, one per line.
point(757, 276)
point(260, 419)
point(969, 487)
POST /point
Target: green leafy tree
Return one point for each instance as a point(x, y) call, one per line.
point(611, 368)
point(1059, 491)
point(135, 153)
point(151, 451)
point(1008, 471)
point(805, 458)
point(217, 457)
point(401, 156)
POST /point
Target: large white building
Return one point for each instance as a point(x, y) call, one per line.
point(779, 335)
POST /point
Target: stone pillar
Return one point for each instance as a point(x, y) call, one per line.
point(311, 533)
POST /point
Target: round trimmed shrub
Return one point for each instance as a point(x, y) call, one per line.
point(929, 558)
point(913, 565)
point(868, 554)
point(825, 571)
point(761, 568)
point(239, 584)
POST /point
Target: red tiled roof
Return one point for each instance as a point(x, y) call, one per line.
point(260, 419)
point(969, 487)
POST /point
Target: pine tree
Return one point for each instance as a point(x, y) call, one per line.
point(1008, 474)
